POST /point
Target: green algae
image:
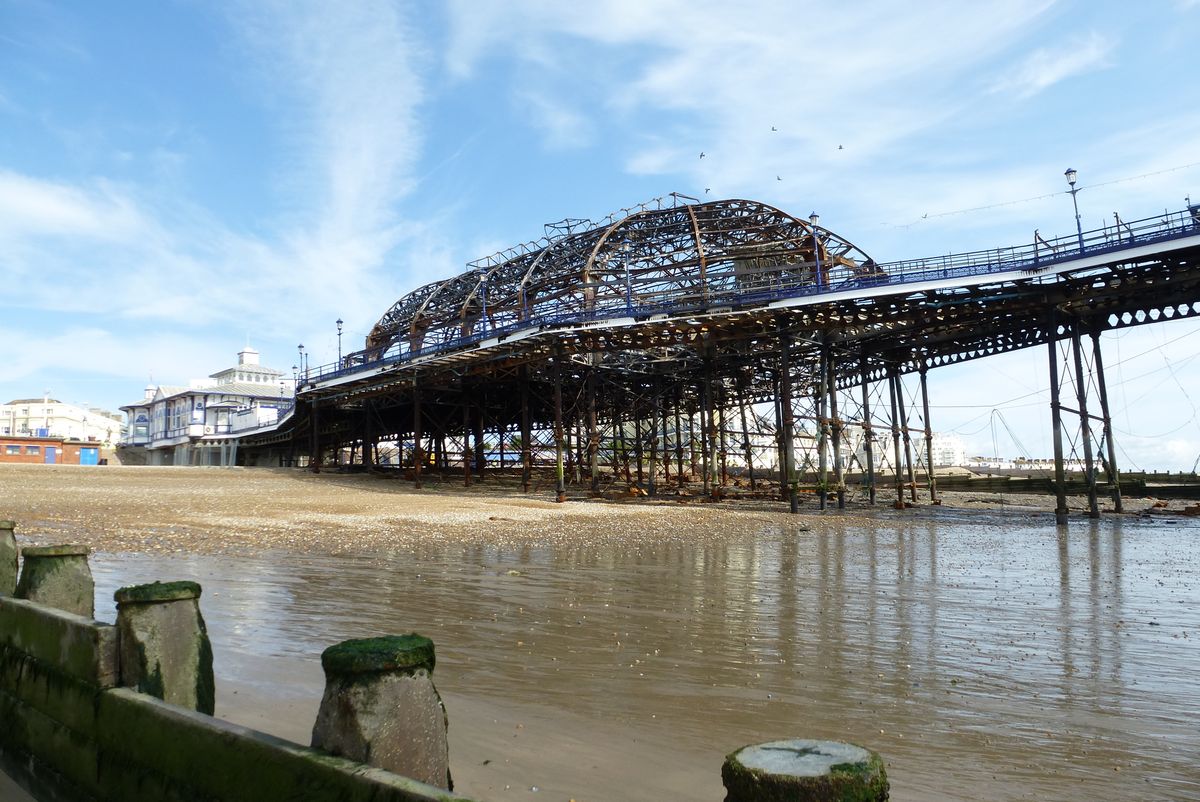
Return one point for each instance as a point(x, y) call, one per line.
point(403, 653)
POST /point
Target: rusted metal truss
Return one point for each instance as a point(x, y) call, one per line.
point(722, 344)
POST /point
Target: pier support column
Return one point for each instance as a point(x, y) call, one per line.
point(1114, 475)
point(593, 431)
point(892, 378)
point(1060, 479)
point(560, 483)
point(785, 404)
point(678, 437)
point(933, 498)
point(868, 432)
point(835, 424)
point(467, 454)
point(1085, 423)
point(418, 454)
point(58, 577)
point(8, 558)
point(314, 457)
point(526, 433)
point(909, 466)
point(164, 646)
point(381, 708)
point(747, 452)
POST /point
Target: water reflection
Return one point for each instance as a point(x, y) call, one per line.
point(991, 660)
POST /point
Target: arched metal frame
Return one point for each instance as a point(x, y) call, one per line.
point(689, 257)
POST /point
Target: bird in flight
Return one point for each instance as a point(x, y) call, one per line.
point(701, 154)
point(773, 128)
point(777, 178)
point(839, 147)
point(707, 190)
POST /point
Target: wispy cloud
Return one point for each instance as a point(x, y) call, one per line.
point(1045, 67)
point(563, 127)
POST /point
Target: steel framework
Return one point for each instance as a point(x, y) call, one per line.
point(725, 347)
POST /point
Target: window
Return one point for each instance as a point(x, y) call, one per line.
point(32, 450)
point(12, 450)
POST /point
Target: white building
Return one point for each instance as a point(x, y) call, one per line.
point(200, 424)
point(48, 417)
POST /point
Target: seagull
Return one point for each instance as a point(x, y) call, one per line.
point(707, 190)
point(839, 147)
point(773, 128)
point(777, 178)
point(701, 154)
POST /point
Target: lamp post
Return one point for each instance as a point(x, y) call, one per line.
point(339, 325)
point(303, 366)
point(815, 218)
point(1071, 175)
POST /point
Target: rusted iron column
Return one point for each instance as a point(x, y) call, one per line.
point(692, 438)
point(678, 437)
point(780, 457)
point(637, 448)
point(1060, 479)
point(835, 425)
point(418, 457)
point(1085, 424)
point(868, 434)
point(560, 484)
point(709, 428)
point(1114, 476)
point(785, 402)
point(891, 380)
point(526, 432)
point(666, 438)
point(652, 474)
point(909, 467)
point(466, 441)
point(593, 433)
point(933, 499)
point(746, 451)
point(314, 458)
point(480, 448)
point(820, 398)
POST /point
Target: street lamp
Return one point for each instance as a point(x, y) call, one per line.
point(303, 366)
point(1071, 175)
point(815, 218)
point(339, 325)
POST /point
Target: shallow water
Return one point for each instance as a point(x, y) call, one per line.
point(985, 656)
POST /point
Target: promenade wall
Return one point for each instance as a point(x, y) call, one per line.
point(68, 732)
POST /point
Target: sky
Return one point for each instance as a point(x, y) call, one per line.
point(179, 179)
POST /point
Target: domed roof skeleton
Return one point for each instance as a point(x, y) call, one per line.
point(684, 258)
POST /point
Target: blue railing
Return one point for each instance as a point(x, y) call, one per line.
point(1040, 255)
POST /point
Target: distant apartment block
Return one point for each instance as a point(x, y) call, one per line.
point(49, 417)
point(200, 424)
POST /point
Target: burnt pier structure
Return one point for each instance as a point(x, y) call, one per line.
point(730, 348)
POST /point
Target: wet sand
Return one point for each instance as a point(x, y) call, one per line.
point(617, 651)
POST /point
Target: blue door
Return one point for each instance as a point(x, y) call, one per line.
point(89, 456)
point(51, 455)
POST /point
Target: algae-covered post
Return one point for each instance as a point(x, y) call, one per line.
point(59, 577)
point(164, 646)
point(8, 558)
point(801, 770)
point(380, 707)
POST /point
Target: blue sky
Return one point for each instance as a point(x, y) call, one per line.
point(179, 178)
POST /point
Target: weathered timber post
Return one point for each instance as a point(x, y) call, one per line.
point(59, 577)
point(8, 558)
point(804, 771)
point(163, 644)
point(380, 707)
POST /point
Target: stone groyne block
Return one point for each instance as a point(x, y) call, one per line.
point(59, 577)
point(802, 770)
point(380, 707)
point(163, 643)
point(66, 643)
point(8, 558)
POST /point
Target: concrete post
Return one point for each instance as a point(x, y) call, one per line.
point(804, 771)
point(59, 577)
point(163, 644)
point(8, 558)
point(380, 707)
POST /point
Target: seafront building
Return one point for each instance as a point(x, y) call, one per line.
point(200, 424)
point(48, 417)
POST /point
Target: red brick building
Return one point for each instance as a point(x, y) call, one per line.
point(48, 450)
